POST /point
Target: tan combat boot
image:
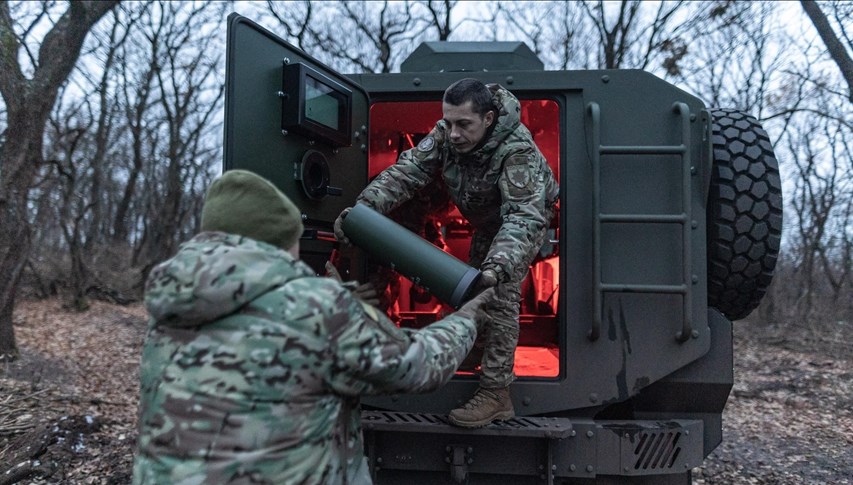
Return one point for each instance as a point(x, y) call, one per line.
point(486, 406)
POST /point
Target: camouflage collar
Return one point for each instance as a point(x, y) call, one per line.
point(213, 275)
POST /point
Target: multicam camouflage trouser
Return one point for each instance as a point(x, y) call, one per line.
point(500, 338)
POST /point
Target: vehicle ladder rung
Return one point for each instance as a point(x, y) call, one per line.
point(648, 218)
point(636, 288)
point(643, 150)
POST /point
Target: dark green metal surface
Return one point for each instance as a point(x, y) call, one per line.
point(254, 137)
point(641, 353)
point(646, 154)
point(457, 56)
point(529, 450)
point(698, 390)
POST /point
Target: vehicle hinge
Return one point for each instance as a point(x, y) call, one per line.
point(459, 457)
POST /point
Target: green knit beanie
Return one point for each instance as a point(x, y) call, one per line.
point(247, 204)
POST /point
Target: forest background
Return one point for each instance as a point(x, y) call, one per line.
point(111, 129)
point(111, 119)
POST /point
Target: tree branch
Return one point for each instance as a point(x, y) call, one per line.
point(836, 49)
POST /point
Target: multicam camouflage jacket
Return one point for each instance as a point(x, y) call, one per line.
point(253, 367)
point(505, 188)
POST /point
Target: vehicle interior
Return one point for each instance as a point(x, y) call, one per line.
point(396, 127)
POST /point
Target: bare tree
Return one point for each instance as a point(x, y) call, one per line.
point(29, 101)
point(810, 111)
point(75, 192)
point(736, 57)
point(68, 148)
point(362, 36)
point(440, 13)
point(614, 39)
point(136, 80)
point(380, 31)
point(88, 226)
point(818, 150)
point(838, 50)
point(103, 112)
point(631, 40)
point(296, 18)
point(604, 35)
point(531, 23)
point(189, 95)
point(810, 204)
point(570, 40)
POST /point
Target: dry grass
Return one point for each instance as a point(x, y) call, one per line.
point(72, 366)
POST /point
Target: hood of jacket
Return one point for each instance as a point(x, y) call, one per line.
point(213, 275)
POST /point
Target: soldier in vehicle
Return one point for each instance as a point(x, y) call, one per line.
point(502, 184)
point(253, 366)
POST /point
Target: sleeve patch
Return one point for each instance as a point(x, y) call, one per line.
point(426, 144)
point(518, 173)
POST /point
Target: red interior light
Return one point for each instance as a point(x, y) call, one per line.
point(398, 126)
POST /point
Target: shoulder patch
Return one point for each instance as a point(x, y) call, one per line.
point(517, 172)
point(426, 144)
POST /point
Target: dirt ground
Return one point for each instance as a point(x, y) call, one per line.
point(68, 405)
point(789, 418)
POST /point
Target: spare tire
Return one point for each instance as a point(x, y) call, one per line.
point(744, 215)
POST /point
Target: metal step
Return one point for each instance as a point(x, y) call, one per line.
point(523, 427)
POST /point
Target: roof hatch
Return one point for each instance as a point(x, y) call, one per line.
point(443, 56)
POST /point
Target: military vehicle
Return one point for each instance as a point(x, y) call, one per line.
point(668, 230)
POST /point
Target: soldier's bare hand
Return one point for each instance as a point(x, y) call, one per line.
point(338, 227)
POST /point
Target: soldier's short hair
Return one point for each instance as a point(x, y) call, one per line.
point(470, 89)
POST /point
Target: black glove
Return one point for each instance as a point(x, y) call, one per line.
point(339, 231)
point(488, 279)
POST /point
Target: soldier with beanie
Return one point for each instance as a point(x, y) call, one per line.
point(252, 366)
point(501, 183)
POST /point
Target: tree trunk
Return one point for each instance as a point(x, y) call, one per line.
point(14, 243)
point(18, 172)
point(29, 102)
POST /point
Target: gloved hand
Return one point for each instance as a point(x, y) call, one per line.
point(365, 292)
point(338, 227)
point(488, 279)
point(472, 309)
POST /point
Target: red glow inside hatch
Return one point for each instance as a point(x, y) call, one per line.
point(398, 126)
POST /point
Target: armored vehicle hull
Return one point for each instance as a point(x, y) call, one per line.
point(668, 229)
